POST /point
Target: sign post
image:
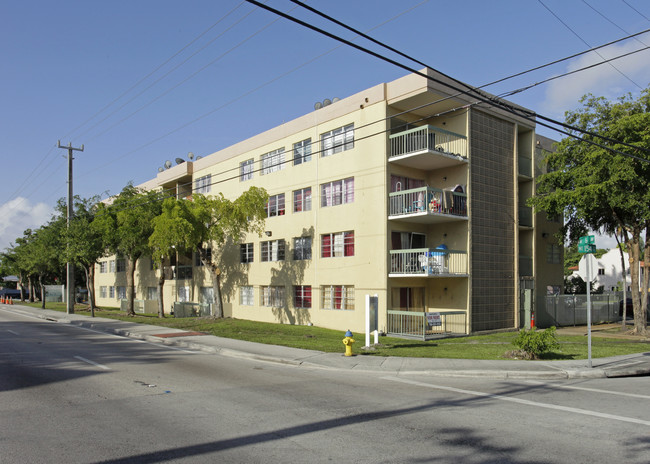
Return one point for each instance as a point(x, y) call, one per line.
point(587, 245)
point(372, 313)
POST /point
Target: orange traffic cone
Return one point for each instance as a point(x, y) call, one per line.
point(11, 300)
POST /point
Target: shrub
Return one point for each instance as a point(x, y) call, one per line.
point(535, 343)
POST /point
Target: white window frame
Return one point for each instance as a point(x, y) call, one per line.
point(152, 293)
point(246, 253)
point(302, 200)
point(272, 161)
point(246, 295)
point(272, 296)
point(275, 206)
point(246, 170)
point(111, 291)
point(337, 140)
point(302, 152)
point(302, 248)
point(102, 267)
point(203, 184)
point(328, 297)
point(338, 192)
point(102, 291)
point(121, 292)
point(272, 250)
point(120, 265)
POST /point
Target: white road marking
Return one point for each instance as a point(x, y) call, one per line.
point(11, 331)
point(595, 390)
point(585, 412)
point(80, 358)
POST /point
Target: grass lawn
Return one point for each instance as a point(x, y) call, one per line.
point(489, 347)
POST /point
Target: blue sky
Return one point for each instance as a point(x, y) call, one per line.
point(141, 82)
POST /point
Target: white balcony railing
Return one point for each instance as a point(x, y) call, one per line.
point(428, 262)
point(427, 200)
point(414, 324)
point(428, 138)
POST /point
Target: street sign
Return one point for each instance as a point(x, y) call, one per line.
point(587, 262)
point(587, 244)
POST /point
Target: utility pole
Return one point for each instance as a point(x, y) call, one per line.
point(70, 287)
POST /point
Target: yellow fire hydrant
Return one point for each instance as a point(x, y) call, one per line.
point(348, 341)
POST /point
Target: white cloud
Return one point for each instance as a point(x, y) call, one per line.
point(20, 214)
point(604, 80)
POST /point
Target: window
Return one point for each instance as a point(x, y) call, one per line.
point(301, 248)
point(197, 257)
point(337, 192)
point(102, 267)
point(272, 161)
point(338, 140)
point(183, 294)
point(152, 293)
point(121, 265)
point(111, 265)
point(302, 296)
point(102, 291)
point(246, 253)
point(121, 293)
point(601, 271)
point(337, 297)
point(552, 253)
point(302, 200)
point(275, 206)
point(246, 295)
point(111, 292)
point(272, 296)
point(202, 184)
point(246, 170)
point(206, 295)
point(301, 152)
point(337, 245)
point(272, 250)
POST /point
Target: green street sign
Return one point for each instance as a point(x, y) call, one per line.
point(586, 248)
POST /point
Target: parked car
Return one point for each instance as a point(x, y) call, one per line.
point(629, 310)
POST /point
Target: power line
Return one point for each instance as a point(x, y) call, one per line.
point(472, 91)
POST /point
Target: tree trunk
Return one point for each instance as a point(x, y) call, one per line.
point(635, 256)
point(161, 284)
point(90, 286)
point(40, 283)
point(624, 284)
point(216, 289)
point(130, 285)
point(643, 322)
point(22, 287)
point(30, 283)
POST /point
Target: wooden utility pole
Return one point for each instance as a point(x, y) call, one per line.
point(70, 287)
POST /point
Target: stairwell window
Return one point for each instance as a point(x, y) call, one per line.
point(337, 140)
point(272, 161)
point(337, 244)
point(337, 297)
point(246, 170)
point(337, 193)
point(302, 152)
point(120, 264)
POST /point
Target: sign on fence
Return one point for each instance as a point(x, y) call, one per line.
point(434, 319)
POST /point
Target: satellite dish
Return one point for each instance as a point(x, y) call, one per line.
point(190, 155)
point(168, 164)
point(335, 99)
point(179, 160)
point(327, 102)
point(198, 157)
point(160, 169)
point(318, 105)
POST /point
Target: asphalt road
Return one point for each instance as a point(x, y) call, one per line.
point(71, 395)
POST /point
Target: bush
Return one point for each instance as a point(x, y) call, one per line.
point(536, 343)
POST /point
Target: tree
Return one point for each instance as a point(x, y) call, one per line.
point(599, 189)
point(85, 243)
point(174, 231)
point(207, 222)
point(125, 226)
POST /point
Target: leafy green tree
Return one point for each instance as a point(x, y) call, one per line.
point(85, 243)
point(599, 189)
point(125, 226)
point(174, 231)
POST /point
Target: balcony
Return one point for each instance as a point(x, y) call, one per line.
point(428, 262)
point(427, 205)
point(428, 148)
point(414, 324)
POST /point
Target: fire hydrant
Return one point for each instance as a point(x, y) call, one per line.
point(348, 341)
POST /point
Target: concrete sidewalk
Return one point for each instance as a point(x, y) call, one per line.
point(619, 366)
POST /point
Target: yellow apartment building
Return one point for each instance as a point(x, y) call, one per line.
point(404, 190)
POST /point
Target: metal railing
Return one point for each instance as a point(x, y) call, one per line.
point(428, 200)
point(428, 138)
point(189, 309)
point(415, 324)
point(428, 262)
point(570, 310)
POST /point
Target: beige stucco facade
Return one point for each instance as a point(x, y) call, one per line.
point(407, 169)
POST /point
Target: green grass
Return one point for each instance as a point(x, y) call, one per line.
point(487, 347)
